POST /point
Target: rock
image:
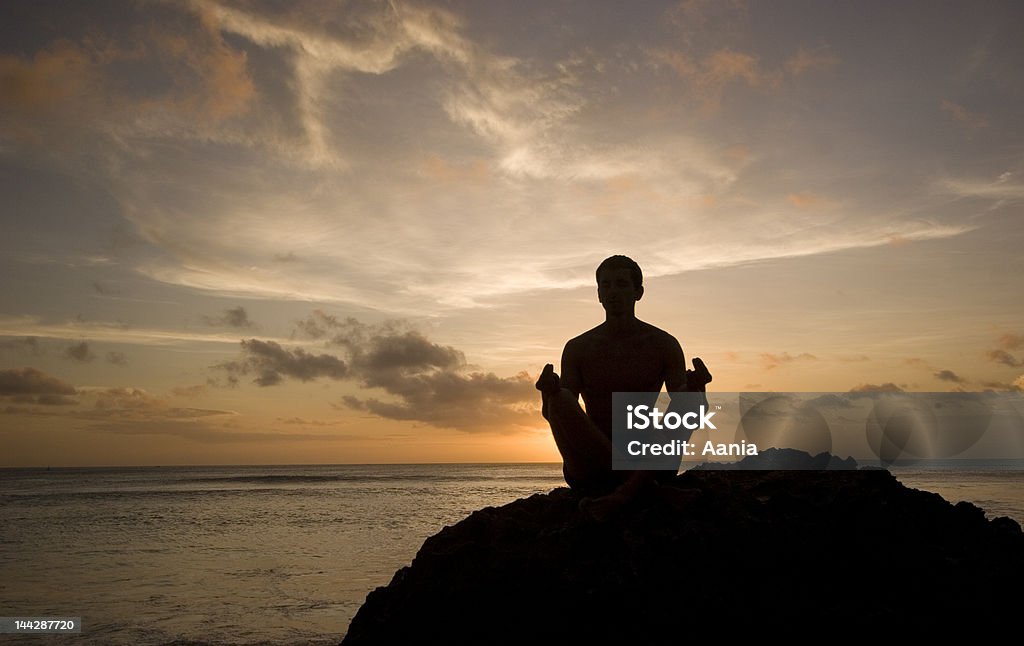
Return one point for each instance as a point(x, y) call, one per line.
point(714, 553)
point(790, 459)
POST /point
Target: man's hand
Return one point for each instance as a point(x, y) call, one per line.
point(548, 382)
point(697, 379)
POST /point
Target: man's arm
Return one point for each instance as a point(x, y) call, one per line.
point(675, 366)
point(678, 379)
point(572, 376)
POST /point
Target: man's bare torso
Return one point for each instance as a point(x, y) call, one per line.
point(598, 363)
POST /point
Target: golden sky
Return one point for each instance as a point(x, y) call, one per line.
point(329, 232)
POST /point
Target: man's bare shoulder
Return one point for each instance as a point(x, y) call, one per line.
point(583, 340)
point(661, 336)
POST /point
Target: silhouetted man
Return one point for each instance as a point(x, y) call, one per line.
point(623, 354)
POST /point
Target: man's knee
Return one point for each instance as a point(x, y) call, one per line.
point(598, 482)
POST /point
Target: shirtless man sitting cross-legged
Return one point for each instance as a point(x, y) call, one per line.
point(623, 354)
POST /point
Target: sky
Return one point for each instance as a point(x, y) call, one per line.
point(264, 232)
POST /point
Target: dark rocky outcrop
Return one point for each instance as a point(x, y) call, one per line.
point(714, 554)
point(789, 459)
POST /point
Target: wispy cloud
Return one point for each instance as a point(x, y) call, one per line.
point(1004, 357)
point(29, 385)
point(1005, 187)
point(79, 84)
point(189, 392)
point(1009, 341)
point(770, 361)
point(206, 432)
point(887, 387)
point(811, 201)
point(25, 345)
point(962, 115)
point(79, 352)
point(235, 317)
point(116, 409)
point(714, 53)
point(524, 165)
point(32, 327)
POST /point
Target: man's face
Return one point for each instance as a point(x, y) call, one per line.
point(616, 291)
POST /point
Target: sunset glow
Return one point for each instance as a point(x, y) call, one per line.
point(252, 233)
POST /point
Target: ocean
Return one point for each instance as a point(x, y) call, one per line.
point(268, 554)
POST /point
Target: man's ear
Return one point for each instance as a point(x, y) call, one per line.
point(640, 292)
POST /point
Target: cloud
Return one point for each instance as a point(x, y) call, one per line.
point(32, 386)
point(124, 398)
point(189, 391)
point(1007, 341)
point(29, 345)
point(55, 400)
point(30, 381)
point(235, 317)
point(271, 363)
point(60, 75)
point(1005, 187)
point(79, 352)
point(206, 432)
point(379, 353)
point(82, 83)
point(431, 382)
point(425, 381)
point(117, 358)
point(103, 331)
point(771, 361)
point(490, 94)
point(1004, 357)
point(122, 409)
point(963, 116)
point(473, 402)
point(713, 53)
point(949, 375)
point(318, 324)
point(127, 404)
point(532, 172)
point(1011, 341)
point(381, 356)
point(703, 23)
point(708, 77)
point(1016, 386)
point(302, 421)
point(887, 387)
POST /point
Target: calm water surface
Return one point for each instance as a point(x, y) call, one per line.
point(261, 555)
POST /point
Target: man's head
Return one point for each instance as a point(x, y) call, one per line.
point(619, 285)
point(622, 262)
